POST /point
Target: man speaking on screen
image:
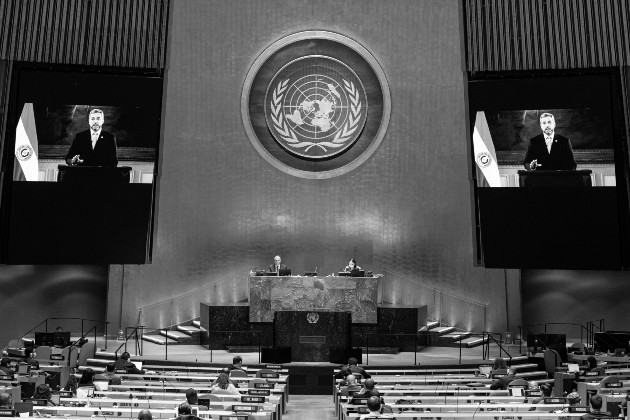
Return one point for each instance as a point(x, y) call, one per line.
point(549, 151)
point(93, 147)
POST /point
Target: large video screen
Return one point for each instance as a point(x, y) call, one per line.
point(83, 168)
point(549, 167)
point(49, 135)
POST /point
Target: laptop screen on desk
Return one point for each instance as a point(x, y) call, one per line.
point(573, 367)
point(138, 365)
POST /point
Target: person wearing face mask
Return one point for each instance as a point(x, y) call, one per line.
point(93, 147)
point(549, 150)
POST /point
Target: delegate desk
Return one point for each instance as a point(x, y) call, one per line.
point(131, 412)
point(357, 295)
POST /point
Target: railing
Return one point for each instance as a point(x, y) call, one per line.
point(83, 321)
point(211, 333)
point(138, 340)
point(491, 338)
point(416, 339)
point(585, 331)
point(184, 308)
point(442, 306)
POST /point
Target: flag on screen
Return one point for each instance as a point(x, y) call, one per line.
point(485, 156)
point(26, 146)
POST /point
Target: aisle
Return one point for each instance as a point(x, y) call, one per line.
point(310, 407)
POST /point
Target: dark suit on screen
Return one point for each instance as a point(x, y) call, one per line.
point(560, 157)
point(103, 154)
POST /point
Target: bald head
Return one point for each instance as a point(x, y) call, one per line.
point(351, 380)
point(533, 386)
point(145, 415)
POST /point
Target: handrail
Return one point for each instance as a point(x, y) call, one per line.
point(490, 336)
point(475, 313)
point(106, 323)
point(194, 292)
point(589, 329)
point(435, 289)
point(210, 333)
point(134, 331)
point(367, 345)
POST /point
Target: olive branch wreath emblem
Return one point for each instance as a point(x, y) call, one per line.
point(288, 135)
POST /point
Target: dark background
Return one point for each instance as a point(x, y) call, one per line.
point(133, 126)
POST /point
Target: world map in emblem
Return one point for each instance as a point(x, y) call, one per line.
point(316, 107)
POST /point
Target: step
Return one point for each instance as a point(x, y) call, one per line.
point(242, 349)
point(430, 325)
point(442, 330)
point(456, 336)
point(159, 339)
point(197, 323)
point(473, 341)
point(174, 335)
point(189, 330)
point(519, 360)
point(381, 350)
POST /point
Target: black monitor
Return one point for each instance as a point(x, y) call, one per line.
point(357, 273)
point(45, 339)
point(62, 338)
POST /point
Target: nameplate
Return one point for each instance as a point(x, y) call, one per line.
point(252, 399)
point(36, 402)
point(65, 394)
point(7, 413)
point(245, 408)
point(554, 400)
point(265, 392)
point(358, 401)
point(6, 377)
point(273, 367)
point(613, 385)
point(233, 417)
point(591, 374)
point(362, 409)
point(121, 370)
point(57, 357)
point(262, 385)
point(533, 393)
point(269, 375)
point(578, 409)
point(106, 413)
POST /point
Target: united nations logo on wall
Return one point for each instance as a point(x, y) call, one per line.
point(312, 317)
point(316, 104)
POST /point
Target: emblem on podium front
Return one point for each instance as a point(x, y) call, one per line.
point(312, 317)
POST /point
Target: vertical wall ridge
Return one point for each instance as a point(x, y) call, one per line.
point(546, 34)
point(112, 33)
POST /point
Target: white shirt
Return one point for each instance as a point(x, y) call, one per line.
point(549, 141)
point(373, 414)
point(95, 136)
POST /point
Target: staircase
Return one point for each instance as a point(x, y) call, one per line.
point(447, 336)
point(180, 334)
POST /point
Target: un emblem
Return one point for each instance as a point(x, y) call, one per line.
point(315, 104)
point(316, 107)
point(312, 317)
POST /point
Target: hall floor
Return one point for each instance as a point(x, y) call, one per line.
point(310, 407)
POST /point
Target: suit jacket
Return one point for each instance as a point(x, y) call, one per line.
point(103, 154)
point(560, 157)
point(272, 267)
point(595, 415)
point(502, 382)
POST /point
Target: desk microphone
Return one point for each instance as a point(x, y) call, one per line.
point(476, 409)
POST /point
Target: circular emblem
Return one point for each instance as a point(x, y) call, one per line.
point(484, 159)
point(24, 152)
point(316, 104)
point(316, 107)
point(312, 317)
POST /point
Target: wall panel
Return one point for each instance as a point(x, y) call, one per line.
point(224, 210)
point(546, 34)
point(112, 33)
